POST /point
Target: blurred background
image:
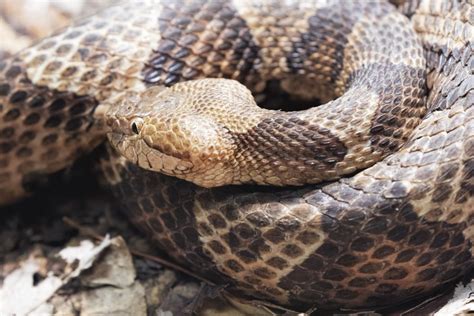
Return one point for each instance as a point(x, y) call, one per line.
point(24, 21)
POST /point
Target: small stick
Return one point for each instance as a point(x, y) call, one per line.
point(422, 304)
point(170, 265)
point(91, 233)
point(87, 231)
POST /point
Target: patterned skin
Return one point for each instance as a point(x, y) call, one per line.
point(123, 50)
point(397, 230)
point(212, 133)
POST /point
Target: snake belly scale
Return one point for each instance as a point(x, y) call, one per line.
point(400, 227)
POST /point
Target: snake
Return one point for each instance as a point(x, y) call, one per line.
point(362, 200)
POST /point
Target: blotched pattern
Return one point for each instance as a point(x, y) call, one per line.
point(395, 231)
point(52, 93)
point(202, 131)
point(41, 130)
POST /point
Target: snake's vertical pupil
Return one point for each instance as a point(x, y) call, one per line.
point(135, 128)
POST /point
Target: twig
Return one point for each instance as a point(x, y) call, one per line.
point(87, 231)
point(268, 306)
point(422, 304)
point(170, 265)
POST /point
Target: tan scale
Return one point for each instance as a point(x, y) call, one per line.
point(392, 262)
point(349, 119)
point(93, 62)
point(395, 231)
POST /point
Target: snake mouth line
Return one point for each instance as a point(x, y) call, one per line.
point(138, 151)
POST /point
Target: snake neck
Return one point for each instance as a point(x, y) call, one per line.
point(211, 132)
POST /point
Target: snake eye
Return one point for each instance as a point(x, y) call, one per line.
point(135, 128)
point(136, 125)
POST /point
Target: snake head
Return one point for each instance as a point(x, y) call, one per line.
point(169, 130)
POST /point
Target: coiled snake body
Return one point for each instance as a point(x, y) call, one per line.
point(400, 228)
